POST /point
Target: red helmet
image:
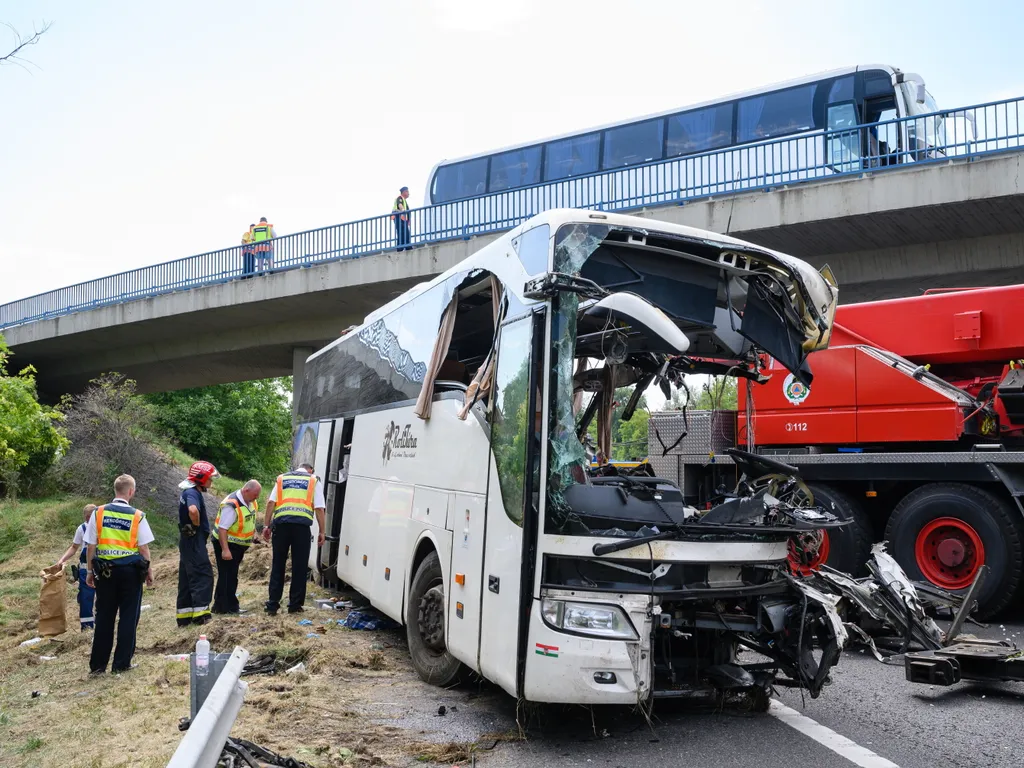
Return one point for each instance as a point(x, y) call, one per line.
point(202, 472)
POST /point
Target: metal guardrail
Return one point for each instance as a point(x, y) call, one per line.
point(208, 732)
point(823, 155)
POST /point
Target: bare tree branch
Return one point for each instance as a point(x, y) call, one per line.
point(21, 43)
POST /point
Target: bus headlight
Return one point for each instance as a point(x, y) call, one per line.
point(592, 619)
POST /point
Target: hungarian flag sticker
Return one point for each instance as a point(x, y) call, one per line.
point(547, 650)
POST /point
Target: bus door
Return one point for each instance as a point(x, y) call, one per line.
point(883, 139)
point(512, 498)
point(321, 468)
point(335, 478)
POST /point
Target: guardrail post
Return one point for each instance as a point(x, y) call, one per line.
point(205, 738)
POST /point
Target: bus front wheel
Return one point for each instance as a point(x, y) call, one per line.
point(424, 626)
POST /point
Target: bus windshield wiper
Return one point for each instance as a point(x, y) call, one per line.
point(618, 546)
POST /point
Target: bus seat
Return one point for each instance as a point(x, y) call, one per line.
point(453, 370)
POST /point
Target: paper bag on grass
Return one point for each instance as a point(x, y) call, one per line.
point(52, 595)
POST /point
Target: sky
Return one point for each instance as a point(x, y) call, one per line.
point(144, 132)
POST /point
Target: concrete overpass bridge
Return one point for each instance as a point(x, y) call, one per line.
point(954, 219)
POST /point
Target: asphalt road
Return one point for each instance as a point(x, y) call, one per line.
point(869, 715)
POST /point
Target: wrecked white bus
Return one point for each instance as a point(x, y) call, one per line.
point(449, 427)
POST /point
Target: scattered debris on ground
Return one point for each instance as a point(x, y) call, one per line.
point(240, 752)
point(889, 614)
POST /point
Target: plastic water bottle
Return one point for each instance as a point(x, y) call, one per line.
point(202, 657)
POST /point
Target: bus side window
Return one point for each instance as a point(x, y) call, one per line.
point(572, 157)
point(512, 424)
point(843, 138)
point(776, 114)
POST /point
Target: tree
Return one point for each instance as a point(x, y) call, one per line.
point(244, 429)
point(718, 393)
point(715, 393)
point(629, 438)
point(21, 43)
point(110, 428)
point(30, 435)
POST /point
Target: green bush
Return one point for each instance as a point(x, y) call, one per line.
point(30, 435)
point(245, 429)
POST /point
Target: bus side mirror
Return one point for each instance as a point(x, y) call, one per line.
point(920, 93)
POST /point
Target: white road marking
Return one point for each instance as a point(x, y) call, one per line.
point(828, 738)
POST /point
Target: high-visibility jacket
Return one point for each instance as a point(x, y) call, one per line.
point(295, 494)
point(262, 233)
point(117, 532)
point(244, 527)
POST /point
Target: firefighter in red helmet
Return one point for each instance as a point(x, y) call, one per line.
point(195, 574)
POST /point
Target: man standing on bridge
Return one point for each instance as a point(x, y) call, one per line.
point(195, 575)
point(263, 235)
point(296, 497)
point(400, 213)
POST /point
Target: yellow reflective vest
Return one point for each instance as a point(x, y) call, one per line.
point(295, 494)
point(244, 527)
point(117, 533)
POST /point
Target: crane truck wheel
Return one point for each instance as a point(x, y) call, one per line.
point(944, 532)
point(845, 549)
point(425, 626)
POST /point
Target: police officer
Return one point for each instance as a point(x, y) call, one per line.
point(400, 213)
point(118, 538)
point(233, 534)
point(262, 235)
point(86, 594)
point(195, 574)
point(296, 497)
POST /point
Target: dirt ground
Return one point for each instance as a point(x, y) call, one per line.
point(357, 703)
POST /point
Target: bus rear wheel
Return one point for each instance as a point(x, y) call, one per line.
point(943, 533)
point(424, 626)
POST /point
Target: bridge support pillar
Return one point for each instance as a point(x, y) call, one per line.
point(299, 355)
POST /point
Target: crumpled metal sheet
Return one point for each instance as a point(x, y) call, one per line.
point(829, 603)
point(887, 596)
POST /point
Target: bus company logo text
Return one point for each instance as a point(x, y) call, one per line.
point(399, 442)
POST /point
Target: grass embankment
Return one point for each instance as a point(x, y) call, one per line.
point(345, 710)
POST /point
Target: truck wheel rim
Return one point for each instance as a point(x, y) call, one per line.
point(805, 570)
point(949, 552)
point(431, 618)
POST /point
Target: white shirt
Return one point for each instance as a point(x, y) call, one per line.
point(80, 533)
point(228, 515)
point(145, 535)
point(318, 493)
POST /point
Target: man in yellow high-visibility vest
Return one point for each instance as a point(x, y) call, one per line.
point(400, 214)
point(234, 531)
point(291, 506)
point(118, 538)
point(263, 235)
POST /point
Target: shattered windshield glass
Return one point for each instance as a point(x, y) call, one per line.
point(636, 308)
point(568, 460)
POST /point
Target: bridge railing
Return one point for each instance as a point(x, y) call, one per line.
point(848, 151)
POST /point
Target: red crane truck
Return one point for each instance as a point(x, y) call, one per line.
point(913, 428)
